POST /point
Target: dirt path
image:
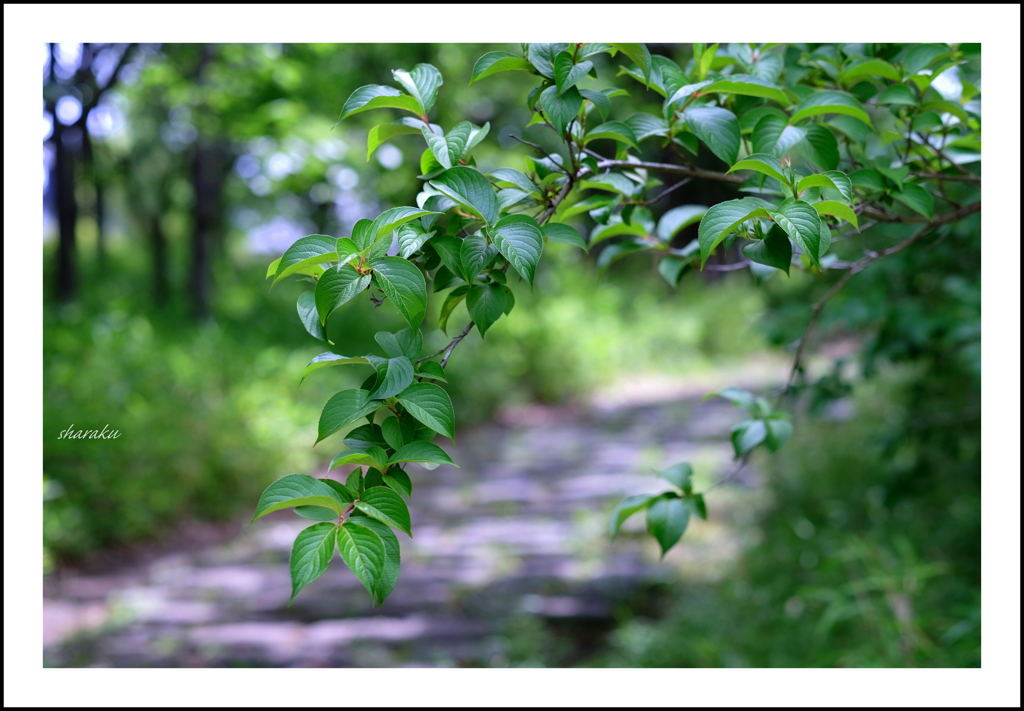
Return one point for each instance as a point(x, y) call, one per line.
point(519, 529)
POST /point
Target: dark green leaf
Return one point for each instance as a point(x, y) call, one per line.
point(520, 241)
point(542, 56)
point(336, 287)
point(431, 405)
point(311, 553)
point(830, 102)
point(647, 125)
point(365, 555)
point(450, 251)
point(385, 132)
point(825, 148)
point(516, 179)
point(899, 94)
point(667, 518)
point(614, 252)
point(773, 251)
point(432, 370)
point(615, 130)
point(485, 304)
point(454, 299)
point(399, 481)
point(748, 434)
point(640, 55)
point(722, 219)
point(560, 109)
point(600, 101)
point(494, 62)
point(393, 376)
point(388, 577)
point(386, 506)
point(717, 128)
point(297, 490)
point(328, 359)
point(772, 135)
point(376, 96)
point(778, 433)
point(306, 252)
point(316, 513)
point(391, 220)
point(626, 509)
point(748, 86)
point(306, 307)
point(867, 179)
point(801, 222)
point(917, 199)
point(557, 232)
point(344, 408)
point(421, 452)
point(672, 269)
point(470, 189)
point(683, 93)
point(679, 218)
point(921, 56)
point(679, 475)
point(869, 68)
point(367, 455)
point(476, 254)
point(568, 73)
point(404, 285)
point(762, 163)
point(422, 83)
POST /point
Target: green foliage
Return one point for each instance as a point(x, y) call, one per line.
point(798, 117)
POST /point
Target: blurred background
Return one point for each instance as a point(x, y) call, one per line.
point(173, 174)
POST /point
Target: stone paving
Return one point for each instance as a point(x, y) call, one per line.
point(520, 528)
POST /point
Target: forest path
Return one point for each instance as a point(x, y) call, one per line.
point(520, 528)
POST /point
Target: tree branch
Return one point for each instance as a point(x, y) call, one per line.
point(970, 178)
point(669, 168)
point(881, 216)
point(666, 191)
point(455, 342)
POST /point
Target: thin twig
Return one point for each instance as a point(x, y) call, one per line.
point(938, 151)
point(726, 267)
point(963, 212)
point(740, 463)
point(666, 191)
point(969, 178)
point(529, 143)
point(669, 168)
point(455, 342)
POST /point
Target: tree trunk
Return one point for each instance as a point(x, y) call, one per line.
point(158, 245)
point(89, 164)
point(67, 213)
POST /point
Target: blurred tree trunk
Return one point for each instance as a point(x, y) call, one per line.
point(158, 245)
point(67, 213)
point(94, 176)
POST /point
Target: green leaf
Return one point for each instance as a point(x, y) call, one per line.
point(454, 299)
point(801, 222)
point(297, 490)
point(778, 433)
point(717, 128)
point(816, 180)
point(366, 456)
point(380, 134)
point(696, 504)
point(306, 252)
point(408, 342)
point(773, 251)
point(947, 107)
point(560, 109)
point(666, 521)
point(867, 179)
point(917, 199)
point(343, 409)
point(393, 376)
point(365, 435)
point(399, 481)
point(311, 553)
point(600, 101)
point(306, 306)
point(825, 146)
point(640, 55)
point(683, 93)
point(376, 96)
point(361, 234)
point(272, 269)
point(832, 207)
point(672, 269)
point(421, 452)
point(494, 62)
point(613, 182)
point(679, 218)
point(411, 237)
point(470, 189)
point(646, 125)
point(476, 254)
point(404, 285)
point(722, 219)
point(328, 359)
point(431, 405)
point(747, 86)
point(337, 287)
point(568, 73)
point(316, 513)
point(485, 304)
point(398, 430)
point(365, 555)
point(762, 163)
point(869, 68)
point(748, 434)
point(389, 221)
point(422, 83)
point(830, 102)
point(842, 183)
point(615, 130)
point(450, 251)
point(438, 148)
point(679, 475)
point(542, 56)
point(388, 577)
point(921, 56)
point(557, 232)
point(614, 252)
point(626, 509)
point(772, 135)
point(520, 241)
point(387, 507)
point(432, 371)
point(706, 60)
point(516, 179)
point(899, 94)
point(449, 149)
